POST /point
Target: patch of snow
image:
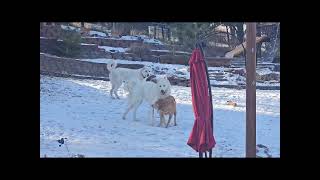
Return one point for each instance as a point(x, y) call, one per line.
point(88, 37)
point(265, 71)
point(113, 49)
point(70, 28)
point(153, 41)
point(97, 33)
point(129, 38)
point(84, 44)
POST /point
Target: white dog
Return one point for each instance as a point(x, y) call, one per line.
point(148, 91)
point(119, 75)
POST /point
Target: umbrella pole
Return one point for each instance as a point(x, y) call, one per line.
point(200, 155)
point(210, 95)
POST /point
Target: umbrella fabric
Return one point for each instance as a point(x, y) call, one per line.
point(201, 138)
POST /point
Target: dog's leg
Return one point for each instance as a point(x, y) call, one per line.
point(135, 110)
point(151, 116)
point(116, 91)
point(170, 117)
point(175, 115)
point(111, 92)
point(127, 111)
point(163, 121)
point(117, 95)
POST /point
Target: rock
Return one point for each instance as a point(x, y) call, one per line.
point(241, 72)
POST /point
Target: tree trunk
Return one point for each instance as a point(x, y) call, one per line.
point(162, 33)
point(174, 52)
point(228, 37)
point(240, 32)
point(259, 44)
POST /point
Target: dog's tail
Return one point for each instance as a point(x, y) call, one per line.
point(111, 65)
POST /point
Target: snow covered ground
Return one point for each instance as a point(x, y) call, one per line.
point(83, 112)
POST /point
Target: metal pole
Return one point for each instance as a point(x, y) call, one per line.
point(251, 91)
point(210, 95)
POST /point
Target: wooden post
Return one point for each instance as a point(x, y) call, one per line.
point(251, 91)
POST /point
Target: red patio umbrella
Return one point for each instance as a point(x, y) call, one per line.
point(201, 138)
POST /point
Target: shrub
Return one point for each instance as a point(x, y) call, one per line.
point(70, 44)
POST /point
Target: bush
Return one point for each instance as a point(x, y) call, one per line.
point(70, 44)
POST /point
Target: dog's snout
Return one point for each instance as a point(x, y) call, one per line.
point(162, 91)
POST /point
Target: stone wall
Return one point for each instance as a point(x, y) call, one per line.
point(110, 42)
point(218, 61)
point(50, 46)
point(178, 59)
point(67, 66)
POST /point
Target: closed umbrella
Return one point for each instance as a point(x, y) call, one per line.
point(201, 138)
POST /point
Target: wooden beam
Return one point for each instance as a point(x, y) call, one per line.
point(239, 49)
point(251, 91)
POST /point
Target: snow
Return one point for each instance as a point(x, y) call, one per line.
point(83, 112)
point(145, 39)
point(129, 38)
point(97, 33)
point(153, 41)
point(84, 44)
point(70, 28)
point(117, 49)
point(265, 71)
point(97, 37)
